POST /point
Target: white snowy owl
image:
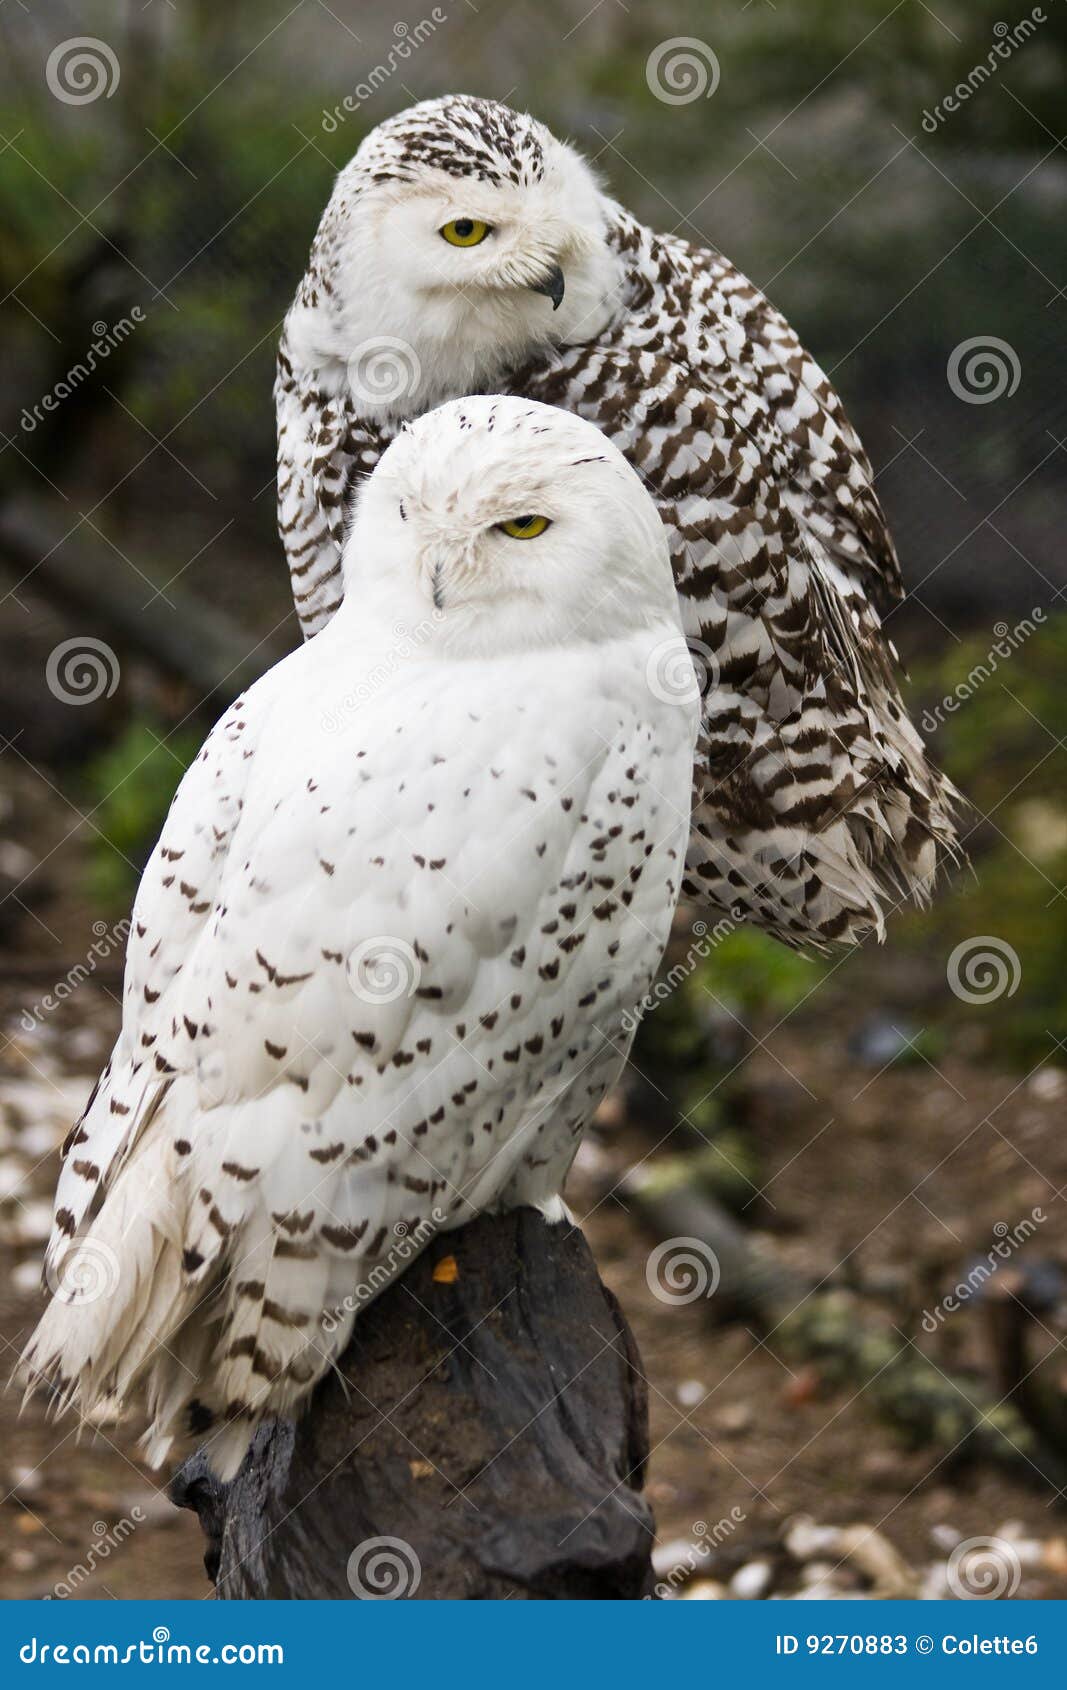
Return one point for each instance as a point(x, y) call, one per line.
point(383, 955)
point(466, 249)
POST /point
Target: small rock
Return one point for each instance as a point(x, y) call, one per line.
point(933, 1584)
point(804, 1539)
point(676, 1552)
point(690, 1392)
point(84, 1043)
point(878, 1560)
point(734, 1417)
point(816, 1571)
point(36, 1139)
point(31, 1223)
point(751, 1581)
point(1047, 1084)
point(828, 1593)
point(882, 1040)
point(1029, 1550)
point(26, 1278)
point(25, 1481)
point(15, 861)
point(13, 1175)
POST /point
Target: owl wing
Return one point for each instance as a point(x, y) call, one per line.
point(826, 475)
point(114, 1299)
point(816, 805)
point(172, 910)
point(322, 449)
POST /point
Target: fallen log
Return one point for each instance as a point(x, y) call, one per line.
point(1015, 1424)
point(484, 1436)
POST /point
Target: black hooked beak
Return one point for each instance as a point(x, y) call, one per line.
point(552, 286)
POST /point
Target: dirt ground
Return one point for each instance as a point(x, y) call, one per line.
point(887, 1180)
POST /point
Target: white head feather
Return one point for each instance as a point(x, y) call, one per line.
point(428, 539)
point(382, 275)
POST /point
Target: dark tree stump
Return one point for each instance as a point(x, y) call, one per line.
point(494, 1428)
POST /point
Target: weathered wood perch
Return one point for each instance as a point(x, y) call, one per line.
point(497, 1426)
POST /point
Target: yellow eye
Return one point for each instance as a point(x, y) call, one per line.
point(525, 527)
point(465, 231)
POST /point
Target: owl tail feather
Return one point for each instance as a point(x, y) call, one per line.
point(120, 1296)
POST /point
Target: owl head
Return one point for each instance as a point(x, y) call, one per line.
point(505, 525)
point(461, 238)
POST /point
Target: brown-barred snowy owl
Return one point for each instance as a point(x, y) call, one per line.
point(465, 249)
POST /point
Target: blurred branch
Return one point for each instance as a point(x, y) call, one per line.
point(190, 642)
point(827, 1328)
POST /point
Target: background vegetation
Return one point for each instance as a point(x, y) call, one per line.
point(891, 231)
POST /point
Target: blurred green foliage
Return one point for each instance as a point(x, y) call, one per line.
point(129, 788)
point(1004, 745)
point(210, 178)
